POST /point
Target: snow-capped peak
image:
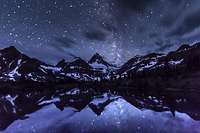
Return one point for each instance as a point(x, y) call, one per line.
point(96, 58)
point(97, 61)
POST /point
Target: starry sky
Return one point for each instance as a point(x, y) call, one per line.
point(118, 29)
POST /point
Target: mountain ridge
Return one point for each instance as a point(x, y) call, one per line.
point(16, 65)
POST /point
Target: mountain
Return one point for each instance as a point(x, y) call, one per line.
point(184, 57)
point(139, 63)
point(101, 67)
point(77, 69)
point(177, 69)
point(15, 66)
point(98, 62)
point(95, 69)
point(161, 82)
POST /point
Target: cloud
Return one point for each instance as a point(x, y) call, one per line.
point(164, 47)
point(97, 35)
point(134, 5)
point(153, 35)
point(168, 20)
point(178, 8)
point(62, 43)
point(176, 2)
point(189, 23)
point(65, 41)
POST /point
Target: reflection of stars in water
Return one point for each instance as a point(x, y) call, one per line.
point(118, 113)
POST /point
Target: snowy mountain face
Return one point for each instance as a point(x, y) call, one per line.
point(77, 69)
point(101, 67)
point(15, 66)
point(140, 63)
point(186, 57)
point(95, 69)
point(97, 62)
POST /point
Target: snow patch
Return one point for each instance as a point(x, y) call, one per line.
point(150, 64)
point(15, 72)
point(49, 101)
point(55, 69)
point(73, 92)
point(176, 62)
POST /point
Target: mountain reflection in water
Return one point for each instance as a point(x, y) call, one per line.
point(86, 111)
point(119, 117)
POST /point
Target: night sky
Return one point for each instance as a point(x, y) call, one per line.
point(118, 29)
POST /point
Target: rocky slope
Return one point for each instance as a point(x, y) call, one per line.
point(178, 69)
point(15, 66)
point(185, 57)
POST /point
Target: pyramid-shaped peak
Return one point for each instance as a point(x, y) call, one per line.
point(10, 49)
point(97, 55)
point(96, 58)
point(61, 63)
point(11, 52)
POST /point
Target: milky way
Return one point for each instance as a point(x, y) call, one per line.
point(117, 29)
